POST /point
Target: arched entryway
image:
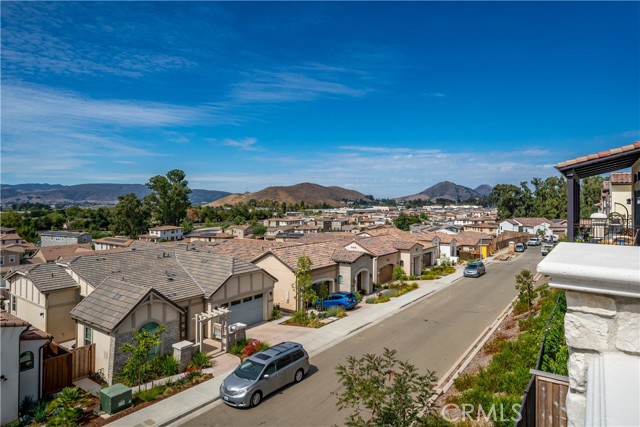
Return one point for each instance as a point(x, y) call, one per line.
point(152, 328)
point(362, 281)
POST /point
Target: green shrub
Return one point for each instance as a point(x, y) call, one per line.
point(238, 346)
point(334, 311)
point(167, 365)
point(464, 382)
point(200, 360)
point(68, 417)
point(300, 317)
point(358, 296)
point(276, 313)
point(151, 394)
point(70, 397)
point(370, 300)
point(40, 412)
point(26, 404)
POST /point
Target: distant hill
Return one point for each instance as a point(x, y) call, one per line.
point(311, 194)
point(449, 191)
point(88, 194)
point(484, 190)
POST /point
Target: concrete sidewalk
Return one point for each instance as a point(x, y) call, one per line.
point(314, 341)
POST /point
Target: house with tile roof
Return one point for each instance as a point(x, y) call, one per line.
point(43, 295)
point(21, 362)
point(535, 226)
point(107, 243)
point(173, 282)
point(61, 237)
point(107, 316)
point(615, 196)
point(330, 267)
point(58, 252)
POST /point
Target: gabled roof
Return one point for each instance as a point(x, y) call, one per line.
point(45, 277)
point(152, 266)
point(344, 256)
point(532, 222)
point(53, 253)
point(115, 241)
point(211, 270)
point(111, 302)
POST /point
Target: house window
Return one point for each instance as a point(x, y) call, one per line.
point(1, 260)
point(26, 360)
point(12, 258)
point(88, 336)
point(340, 280)
point(14, 304)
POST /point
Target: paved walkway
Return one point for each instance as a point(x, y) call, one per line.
point(314, 341)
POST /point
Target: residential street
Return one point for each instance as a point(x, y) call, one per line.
point(432, 333)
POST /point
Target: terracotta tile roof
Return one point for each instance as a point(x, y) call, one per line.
point(531, 222)
point(165, 227)
point(9, 320)
point(53, 253)
point(472, 238)
point(10, 236)
point(115, 241)
point(620, 178)
point(600, 155)
point(345, 256)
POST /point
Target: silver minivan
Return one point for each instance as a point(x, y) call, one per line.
point(263, 373)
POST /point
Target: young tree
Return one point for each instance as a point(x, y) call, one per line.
point(140, 364)
point(129, 216)
point(390, 392)
point(524, 285)
point(398, 273)
point(170, 198)
point(303, 286)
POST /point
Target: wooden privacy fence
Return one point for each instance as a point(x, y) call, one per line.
point(60, 371)
point(551, 396)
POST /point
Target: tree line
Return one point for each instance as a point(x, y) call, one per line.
point(169, 204)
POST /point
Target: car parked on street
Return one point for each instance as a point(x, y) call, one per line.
point(343, 300)
point(546, 248)
point(263, 373)
point(534, 241)
point(520, 247)
point(475, 269)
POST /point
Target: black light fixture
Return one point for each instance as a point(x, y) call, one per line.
point(628, 201)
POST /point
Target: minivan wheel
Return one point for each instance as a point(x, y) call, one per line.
point(256, 398)
point(299, 375)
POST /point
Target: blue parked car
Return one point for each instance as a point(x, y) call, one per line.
point(344, 300)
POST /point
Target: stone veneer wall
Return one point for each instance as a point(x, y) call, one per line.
point(596, 324)
point(171, 336)
point(602, 329)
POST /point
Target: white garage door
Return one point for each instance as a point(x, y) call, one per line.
point(247, 310)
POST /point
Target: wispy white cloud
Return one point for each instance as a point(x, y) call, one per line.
point(290, 87)
point(377, 149)
point(65, 131)
point(247, 144)
point(436, 94)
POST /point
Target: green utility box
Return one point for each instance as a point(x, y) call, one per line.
point(115, 398)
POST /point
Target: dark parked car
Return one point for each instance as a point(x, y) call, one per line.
point(344, 300)
point(474, 269)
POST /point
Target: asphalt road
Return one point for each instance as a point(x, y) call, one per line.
point(431, 333)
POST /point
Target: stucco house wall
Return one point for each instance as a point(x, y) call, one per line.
point(283, 293)
point(10, 357)
point(29, 301)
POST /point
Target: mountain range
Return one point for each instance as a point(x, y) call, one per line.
point(449, 191)
point(311, 194)
point(88, 194)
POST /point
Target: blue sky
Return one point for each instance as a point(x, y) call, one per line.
point(384, 98)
